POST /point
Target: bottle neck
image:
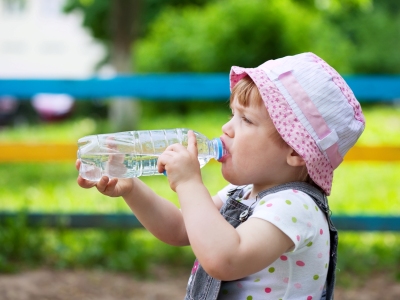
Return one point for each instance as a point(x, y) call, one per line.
point(218, 150)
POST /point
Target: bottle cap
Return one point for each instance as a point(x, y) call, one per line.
point(219, 148)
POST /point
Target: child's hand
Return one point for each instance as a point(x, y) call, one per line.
point(181, 164)
point(110, 187)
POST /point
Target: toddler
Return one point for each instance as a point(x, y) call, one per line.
point(268, 234)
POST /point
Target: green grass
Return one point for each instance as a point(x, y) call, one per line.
point(382, 126)
point(52, 188)
point(359, 188)
point(366, 188)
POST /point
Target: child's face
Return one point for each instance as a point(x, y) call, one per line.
point(254, 155)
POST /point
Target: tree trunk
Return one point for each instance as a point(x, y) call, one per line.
point(124, 111)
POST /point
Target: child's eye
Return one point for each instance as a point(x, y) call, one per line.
point(247, 120)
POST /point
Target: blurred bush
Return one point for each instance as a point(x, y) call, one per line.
point(237, 32)
point(351, 35)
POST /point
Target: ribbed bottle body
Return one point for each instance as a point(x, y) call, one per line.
point(135, 153)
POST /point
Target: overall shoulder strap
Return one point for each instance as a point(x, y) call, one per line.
point(322, 202)
point(318, 196)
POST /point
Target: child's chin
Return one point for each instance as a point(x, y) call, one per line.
point(228, 176)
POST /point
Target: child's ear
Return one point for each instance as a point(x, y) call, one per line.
point(294, 159)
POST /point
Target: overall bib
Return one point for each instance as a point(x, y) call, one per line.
point(201, 286)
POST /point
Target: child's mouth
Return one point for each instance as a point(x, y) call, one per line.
point(225, 152)
point(223, 158)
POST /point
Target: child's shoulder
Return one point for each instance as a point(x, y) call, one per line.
point(288, 202)
point(289, 193)
point(295, 213)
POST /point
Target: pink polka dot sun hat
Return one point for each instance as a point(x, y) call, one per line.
point(312, 107)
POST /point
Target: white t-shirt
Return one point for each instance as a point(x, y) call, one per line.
point(298, 274)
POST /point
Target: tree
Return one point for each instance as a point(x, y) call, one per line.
point(117, 24)
point(114, 24)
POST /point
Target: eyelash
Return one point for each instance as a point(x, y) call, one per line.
point(246, 120)
point(243, 118)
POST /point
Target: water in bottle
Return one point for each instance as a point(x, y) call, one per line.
point(135, 153)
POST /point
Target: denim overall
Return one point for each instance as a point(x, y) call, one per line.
point(204, 287)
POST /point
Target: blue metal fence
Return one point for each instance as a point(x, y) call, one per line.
point(156, 87)
point(129, 221)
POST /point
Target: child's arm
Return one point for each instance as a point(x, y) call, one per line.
point(162, 218)
point(224, 252)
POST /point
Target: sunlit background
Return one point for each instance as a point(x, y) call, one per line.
point(78, 40)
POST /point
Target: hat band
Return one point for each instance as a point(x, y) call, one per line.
point(327, 138)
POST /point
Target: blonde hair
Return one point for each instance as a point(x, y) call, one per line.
point(246, 93)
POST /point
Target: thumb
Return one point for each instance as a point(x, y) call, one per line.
point(192, 143)
point(77, 164)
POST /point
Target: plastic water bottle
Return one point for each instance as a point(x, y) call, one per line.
point(135, 153)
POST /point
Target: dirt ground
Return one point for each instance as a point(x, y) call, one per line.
point(46, 284)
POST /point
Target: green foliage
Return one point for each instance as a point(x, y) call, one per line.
point(20, 244)
point(367, 254)
point(342, 5)
point(96, 16)
point(375, 37)
point(355, 36)
point(98, 19)
point(235, 32)
point(117, 250)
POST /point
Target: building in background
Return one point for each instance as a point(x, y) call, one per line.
point(39, 41)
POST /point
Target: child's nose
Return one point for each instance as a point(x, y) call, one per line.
point(227, 128)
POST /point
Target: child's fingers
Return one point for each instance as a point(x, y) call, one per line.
point(163, 159)
point(86, 184)
point(192, 143)
point(112, 183)
point(77, 164)
point(110, 187)
point(160, 167)
point(101, 185)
